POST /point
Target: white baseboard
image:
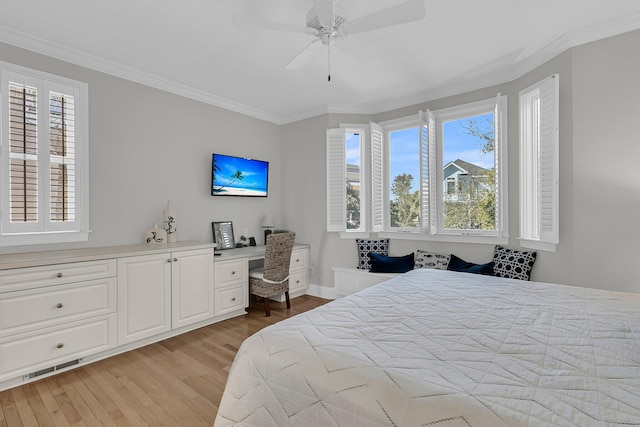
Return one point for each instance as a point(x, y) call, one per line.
point(322, 291)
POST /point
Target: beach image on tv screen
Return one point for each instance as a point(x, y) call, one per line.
point(238, 176)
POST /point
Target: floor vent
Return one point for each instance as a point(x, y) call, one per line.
point(51, 369)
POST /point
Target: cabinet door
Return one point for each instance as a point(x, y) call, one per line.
point(144, 296)
point(192, 286)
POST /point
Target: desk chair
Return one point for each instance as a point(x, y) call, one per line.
point(273, 278)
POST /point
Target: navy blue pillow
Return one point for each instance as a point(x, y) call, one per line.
point(390, 264)
point(458, 264)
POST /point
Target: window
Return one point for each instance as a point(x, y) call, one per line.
point(44, 158)
point(469, 149)
point(404, 178)
point(539, 165)
point(438, 175)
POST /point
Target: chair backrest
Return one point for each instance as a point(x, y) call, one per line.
point(277, 256)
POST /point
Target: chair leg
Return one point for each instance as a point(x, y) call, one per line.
point(267, 306)
point(286, 295)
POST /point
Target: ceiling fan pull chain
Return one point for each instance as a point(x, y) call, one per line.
point(329, 63)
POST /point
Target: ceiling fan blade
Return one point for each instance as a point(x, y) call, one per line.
point(403, 13)
point(252, 22)
point(325, 9)
point(303, 57)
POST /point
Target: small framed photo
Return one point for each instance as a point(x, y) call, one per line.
point(223, 235)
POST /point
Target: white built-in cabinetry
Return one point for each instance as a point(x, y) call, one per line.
point(61, 309)
point(232, 281)
point(299, 271)
point(351, 280)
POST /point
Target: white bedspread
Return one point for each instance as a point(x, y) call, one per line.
point(439, 348)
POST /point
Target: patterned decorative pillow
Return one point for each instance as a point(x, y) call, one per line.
point(426, 259)
point(365, 246)
point(513, 264)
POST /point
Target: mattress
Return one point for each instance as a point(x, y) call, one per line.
point(441, 348)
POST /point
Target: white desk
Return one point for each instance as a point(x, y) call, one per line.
point(232, 275)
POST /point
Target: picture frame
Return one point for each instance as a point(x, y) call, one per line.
point(223, 235)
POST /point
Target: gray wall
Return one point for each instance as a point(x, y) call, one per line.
point(148, 146)
point(599, 187)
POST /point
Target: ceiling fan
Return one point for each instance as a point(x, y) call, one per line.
point(327, 23)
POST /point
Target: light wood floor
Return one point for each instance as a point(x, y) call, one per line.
point(175, 382)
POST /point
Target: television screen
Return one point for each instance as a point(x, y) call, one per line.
point(238, 176)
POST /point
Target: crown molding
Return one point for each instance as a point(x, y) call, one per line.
point(523, 65)
point(512, 71)
point(95, 63)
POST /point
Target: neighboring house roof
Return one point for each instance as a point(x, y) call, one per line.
point(353, 174)
point(466, 167)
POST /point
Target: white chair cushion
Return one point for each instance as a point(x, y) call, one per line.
point(257, 272)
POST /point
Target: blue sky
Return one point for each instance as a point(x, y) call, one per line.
point(404, 148)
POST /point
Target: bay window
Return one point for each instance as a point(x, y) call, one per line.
point(438, 175)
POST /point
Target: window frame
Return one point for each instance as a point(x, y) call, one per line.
point(388, 127)
point(498, 106)
point(45, 231)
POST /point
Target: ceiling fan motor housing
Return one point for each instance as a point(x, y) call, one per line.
point(328, 34)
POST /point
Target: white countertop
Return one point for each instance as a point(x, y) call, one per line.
point(33, 259)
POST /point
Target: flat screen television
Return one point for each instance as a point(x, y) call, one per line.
point(238, 176)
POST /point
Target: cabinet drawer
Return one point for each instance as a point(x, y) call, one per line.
point(36, 277)
point(38, 308)
point(29, 352)
point(298, 281)
point(299, 259)
point(230, 272)
point(230, 299)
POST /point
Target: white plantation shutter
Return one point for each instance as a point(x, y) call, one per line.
point(62, 157)
point(539, 164)
point(61, 151)
point(336, 180)
point(23, 176)
point(427, 123)
point(500, 164)
point(377, 176)
point(549, 164)
point(44, 161)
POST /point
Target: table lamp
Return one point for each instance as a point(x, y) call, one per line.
point(267, 223)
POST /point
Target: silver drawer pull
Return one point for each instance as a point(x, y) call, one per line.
point(175, 259)
point(59, 305)
point(233, 272)
point(60, 345)
point(297, 260)
point(59, 275)
point(233, 299)
point(169, 260)
point(297, 281)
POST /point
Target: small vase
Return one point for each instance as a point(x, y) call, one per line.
point(155, 236)
point(170, 222)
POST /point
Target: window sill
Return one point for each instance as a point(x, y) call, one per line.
point(538, 245)
point(447, 238)
point(354, 235)
point(43, 238)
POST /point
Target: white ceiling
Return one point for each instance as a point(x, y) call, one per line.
point(192, 48)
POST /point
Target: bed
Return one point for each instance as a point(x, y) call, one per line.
point(442, 348)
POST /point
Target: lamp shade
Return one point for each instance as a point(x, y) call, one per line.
point(267, 221)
